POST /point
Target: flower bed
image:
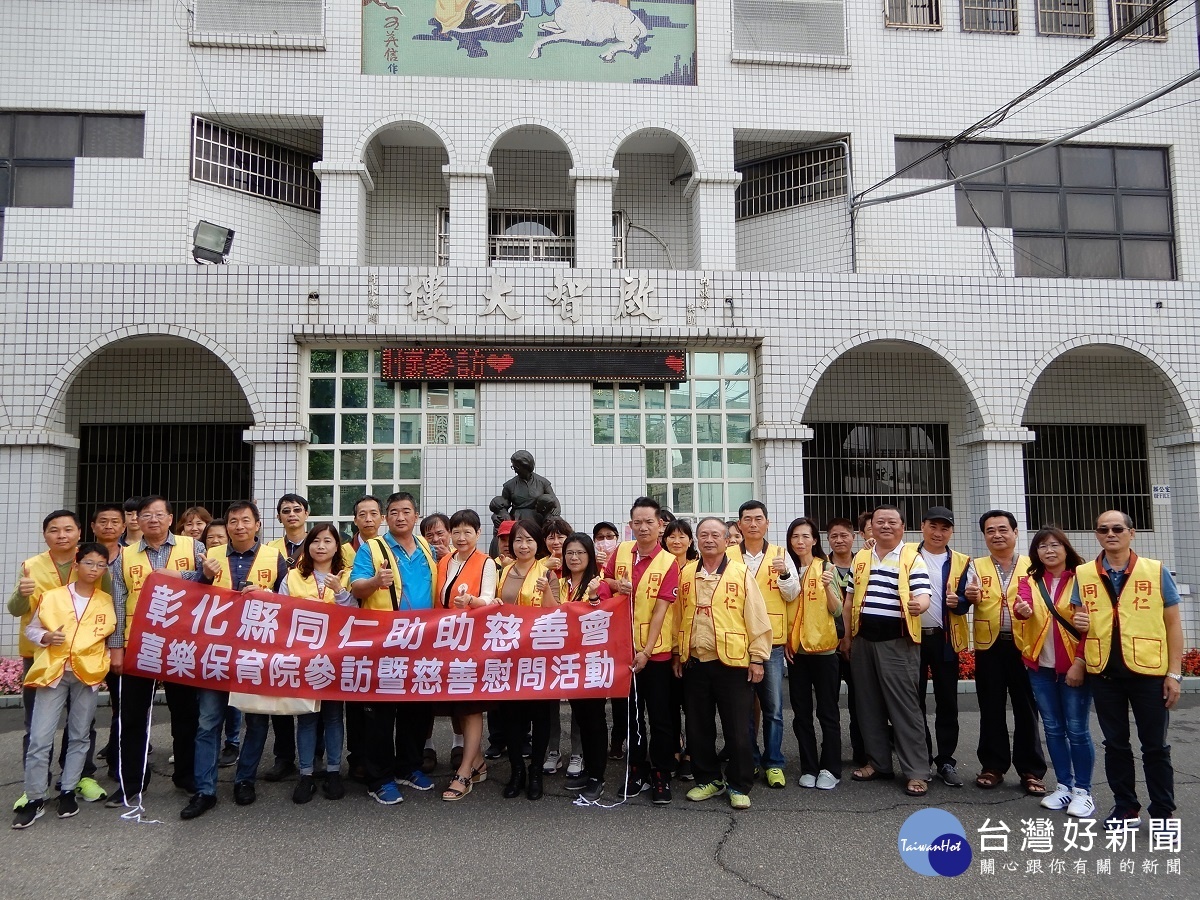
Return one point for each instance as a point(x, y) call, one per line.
point(10, 675)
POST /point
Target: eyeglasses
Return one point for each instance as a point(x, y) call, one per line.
point(93, 564)
point(1115, 529)
point(575, 553)
point(153, 517)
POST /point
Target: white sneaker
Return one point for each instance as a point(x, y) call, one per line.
point(552, 764)
point(808, 781)
point(826, 781)
point(1060, 799)
point(575, 767)
point(1082, 805)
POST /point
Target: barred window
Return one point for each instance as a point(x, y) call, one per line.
point(619, 227)
point(1154, 28)
point(1067, 18)
point(253, 165)
point(850, 467)
point(531, 236)
point(1075, 472)
point(783, 182)
point(993, 16)
point(912, 14)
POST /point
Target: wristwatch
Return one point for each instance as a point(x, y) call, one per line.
point(1176, 676)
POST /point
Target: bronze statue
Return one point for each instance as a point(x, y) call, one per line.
point(525, 495)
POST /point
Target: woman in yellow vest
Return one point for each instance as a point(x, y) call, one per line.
point(811, 650)
point(1048, 641)
point(320, 574)
point(466, 579)
point(519, 586)
point(70, 629)
point(681, 543)
point(555, 531)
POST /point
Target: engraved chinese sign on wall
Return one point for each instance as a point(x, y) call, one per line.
point(630, 41)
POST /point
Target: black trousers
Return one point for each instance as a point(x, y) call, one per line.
point(356, 735)
point(654, 686)
point(1001, 676)
point(185, 722)
point(395, 737)
point(858, 749)
point(620, 721)
point(593, 735)
point(285, 738)
point(1114, 698)
point(519, 717)
point(819, 677)
point(945, 695)
point(112, 750)
point(711, 689)
point(137, 696)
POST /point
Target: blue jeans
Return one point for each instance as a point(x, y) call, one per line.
point(255, 741)
point(1065, 713)
point(306, 737)
point(770, 698)
point(212, 706)
point(233, 727)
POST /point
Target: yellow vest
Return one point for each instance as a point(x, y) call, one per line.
point(45, 577)
point(529, 595)
point(263, 571)
point(814, 629)
point(645, 595)
point(1140, 607)
point(135, 566)
point(1031, 634)
point(781, 613)
point(306, 588)
point(955, 622)
point(863, 561)
point(987, 611)
point(382, 598)
point(87, 637)
point(280, 544)
point(728, 613)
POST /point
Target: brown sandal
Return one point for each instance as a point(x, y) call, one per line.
point(988, 779)
point(452, 793)
point(1033, 785)
point(479, 776)
point(870, 773)
point(916, 787)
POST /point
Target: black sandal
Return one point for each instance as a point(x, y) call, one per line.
point(479, 776)
point(452, 793)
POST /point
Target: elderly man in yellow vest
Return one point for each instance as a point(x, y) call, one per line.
point(1133, 650)
point(891, 590)
point(724, 642)
point(1000, 673)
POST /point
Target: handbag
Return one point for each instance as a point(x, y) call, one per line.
point(273, 706)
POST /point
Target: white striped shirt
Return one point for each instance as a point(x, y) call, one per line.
point(883, 586)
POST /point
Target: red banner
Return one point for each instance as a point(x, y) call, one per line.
point(265, 643)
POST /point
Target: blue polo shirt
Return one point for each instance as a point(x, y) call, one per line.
point(415, 575)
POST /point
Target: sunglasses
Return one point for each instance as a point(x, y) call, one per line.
point(1115, 529)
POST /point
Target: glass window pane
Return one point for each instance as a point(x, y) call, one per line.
point(113, 136)
point(1091, 212)
point(1086, 166)
point(1148, 259)
point(1041, 168)
point(354, 360)
point(46, 136)
point(354, 429)
point(656, 428)
point(656, 463)
point(708, 429)
point(376, 362)
point(322, 393)
point(408, 464)
point(629, 396)
point(711, 499)
point(383, 429)
point(740, 465)
point(682, 499)
point(1093, 258)
point(681, 464)
point(6, 125)
point(46, 186)
point(1035, 211)
point(438, 396)
point(1146, 214)
point(708, 394)
point(602, 397)
point(464, 397)
point(737, 363)
point(681, 395)
point(408, 429)
point(706, 364)
point(382, 464)
point(631, 428)
point(348, 495)
point(603, 430)
point(322, 428)
point(464, 428)
point(737, 429)
point(354, 464)
point(322, 360)
point(988, 209)
point(384, 394)
point(681, 428)
point(737, 394)
point(354, 393)
point(437, 428)
point(320, 501)
point(409, 397)
point(709, 463)
point(971, 157)
point(320, 465)
point(655, 397)
point(740, 492)
point(658, 492)
point(1038, 257)
point(1142, 169)
point(909, 151)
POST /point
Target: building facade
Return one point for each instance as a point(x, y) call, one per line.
point(471, 190)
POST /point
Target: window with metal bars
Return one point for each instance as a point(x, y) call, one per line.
point(912, 14)
point(191, 464)
point(783, 182)
point(531, 236)
point(253, 165)
point(850, 467)
point(1067, 18)
point(992, 16)
point(619, 228)
point(1075, 472)
point(1126, 11)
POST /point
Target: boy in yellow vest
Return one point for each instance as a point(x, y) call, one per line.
point(1133, 650)
point(69, 629)
point(724, 641)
